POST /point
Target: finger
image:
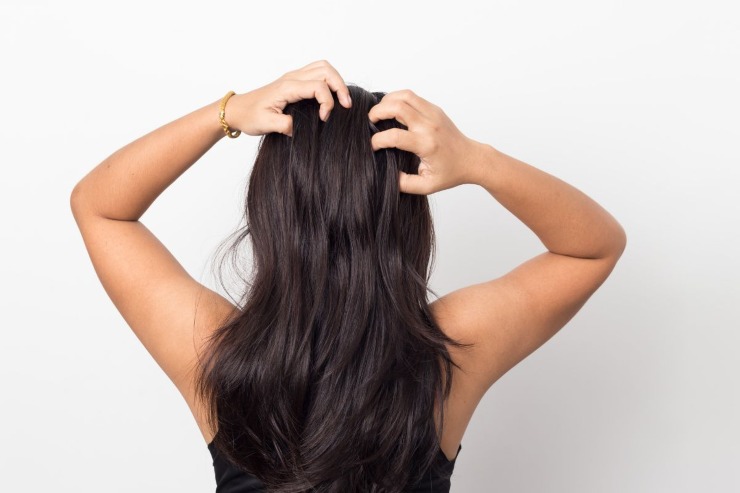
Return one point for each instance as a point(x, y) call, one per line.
point(394, 108)
point(421, 105)
point(323, 70)
point(396, 137)
point(296, 90)
point(416, 184)
point(281, 123)
point(335, 82)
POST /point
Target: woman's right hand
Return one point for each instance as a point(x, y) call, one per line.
point(448, 158)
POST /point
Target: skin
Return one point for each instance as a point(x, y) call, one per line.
point(507, 318)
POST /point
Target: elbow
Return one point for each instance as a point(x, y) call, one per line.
point(622, 236)
point(76, 199)
point(620, 241)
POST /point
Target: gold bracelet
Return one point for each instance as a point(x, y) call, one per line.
point(222, 117)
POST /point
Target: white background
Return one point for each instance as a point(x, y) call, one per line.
point(636, 103)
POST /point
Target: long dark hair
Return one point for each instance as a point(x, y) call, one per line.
point(326, 378)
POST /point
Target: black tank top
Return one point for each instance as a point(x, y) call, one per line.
point(229, 479)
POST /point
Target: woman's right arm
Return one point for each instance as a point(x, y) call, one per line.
point(511, 316)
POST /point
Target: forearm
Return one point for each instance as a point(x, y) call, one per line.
point(565, 219)
point(125, 184)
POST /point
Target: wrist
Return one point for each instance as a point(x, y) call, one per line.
point(231, 110)
point(231, 114)
point(211, 118)
point(481, 161)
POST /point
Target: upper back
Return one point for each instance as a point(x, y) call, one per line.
point(505, 319)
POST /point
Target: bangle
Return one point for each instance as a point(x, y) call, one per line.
point(222, 117)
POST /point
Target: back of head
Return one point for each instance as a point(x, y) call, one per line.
point(327, 378)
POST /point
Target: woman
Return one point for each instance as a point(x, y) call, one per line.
point(329, 373)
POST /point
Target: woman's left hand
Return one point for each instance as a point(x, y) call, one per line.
point(260, 111)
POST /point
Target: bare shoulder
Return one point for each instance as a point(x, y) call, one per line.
point(212, 311)
point(509, 317)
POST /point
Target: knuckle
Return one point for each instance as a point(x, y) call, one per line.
point(322, 87)
point(431, 146)
point(395, 107)
point(406, 94)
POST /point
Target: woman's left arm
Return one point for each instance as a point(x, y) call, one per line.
point(125, 184)
point(157, 298)
point(153, 292)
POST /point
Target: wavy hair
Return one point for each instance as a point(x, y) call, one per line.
point(327, 377)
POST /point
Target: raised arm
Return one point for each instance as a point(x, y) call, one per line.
point(171, 313)
point(511, 316)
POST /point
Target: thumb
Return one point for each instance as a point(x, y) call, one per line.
point(409, 183)
point(279, 122)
